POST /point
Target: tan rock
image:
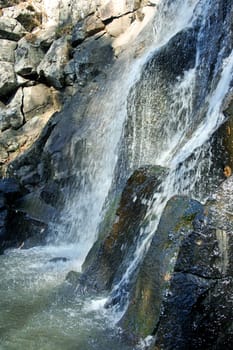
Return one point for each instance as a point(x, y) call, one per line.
point(119, 25)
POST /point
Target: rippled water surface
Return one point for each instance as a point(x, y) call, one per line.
point(39, 310)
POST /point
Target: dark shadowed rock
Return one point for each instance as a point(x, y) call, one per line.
point(8, 81)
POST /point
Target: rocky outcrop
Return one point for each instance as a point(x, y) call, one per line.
point(63, 44)
point(108, 258)
point(182, 293)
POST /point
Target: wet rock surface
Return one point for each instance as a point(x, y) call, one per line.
point(104, 265)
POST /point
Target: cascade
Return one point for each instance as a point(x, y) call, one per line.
point(153, 113)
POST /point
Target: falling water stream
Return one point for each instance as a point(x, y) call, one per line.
point(37, 311)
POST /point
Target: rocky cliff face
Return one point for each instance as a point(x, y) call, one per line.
point(51, 50)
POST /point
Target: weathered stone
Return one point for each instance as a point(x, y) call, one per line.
point(78, 34)
point(11, 29)
point(42, 37)
point(114, 9)
point(3, 154)
point(175, 328)
point(36, 100)
point(87, 27)
point(119, 25)
point(90, 59)
point(8, 81)
point(52, 66)
point(27, 58)
point(29, 15)
point(11, 115)
point(93, 25)
point(35, 208)
point(7, 50)
point(73, 277)
point(108, 262)
point(152, 281)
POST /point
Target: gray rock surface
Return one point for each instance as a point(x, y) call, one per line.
point(114, 9)
point(52, 66)
point(27, 58)
point(11, 115)
point(7, 53)
point(36, 99)
point(11, 29)
point(8, 82)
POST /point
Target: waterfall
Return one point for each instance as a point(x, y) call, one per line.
point(161, 105)
point(176, 131)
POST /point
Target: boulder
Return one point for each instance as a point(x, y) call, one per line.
point(104, 266)
point(85, 28)
point(36, 100)
point(11, 29)
point(11, 115)
point(119, 8)
point(89, 60)
point(7, 53)
point(52, 66)
point(8, 81)
point(197, 309)
point(27, 58)
point(29, 15)
point(153, 278)
point(119, 25)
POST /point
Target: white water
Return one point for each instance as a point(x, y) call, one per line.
point(50, 320)
point(174, 153)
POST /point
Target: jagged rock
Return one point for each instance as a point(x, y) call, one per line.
point(52, 66)
point(116, 9)
point(175, 328)
point(42, 38)
point(119, 25)
point(27, 58)
point(104, 265)
point(90, 59)
point(7, 53)
point(11, 115)
point(89, 26)
point(11, 29)
point(34, 207)
point(3, 154)
point(29, 15)
point(8, 81)
point(198, 305)
point(36, 99)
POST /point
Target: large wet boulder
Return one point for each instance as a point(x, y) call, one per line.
point(156, 270)
point(197, 310)
point(108, 259)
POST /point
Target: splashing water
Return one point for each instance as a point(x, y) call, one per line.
point(37, 311)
